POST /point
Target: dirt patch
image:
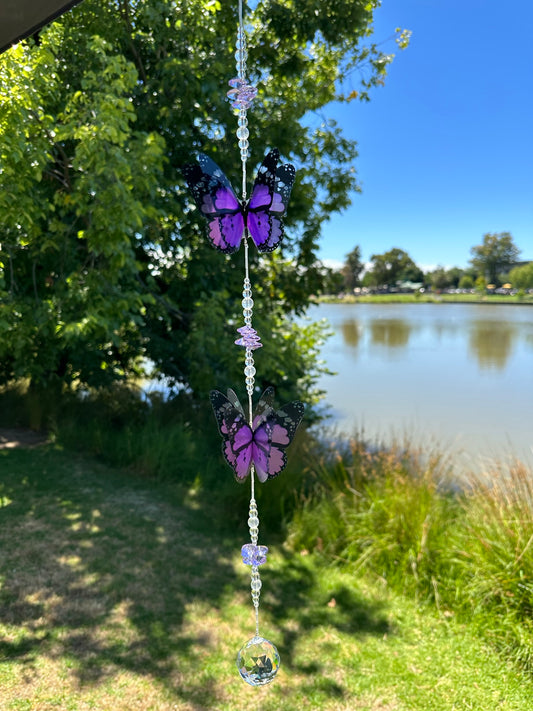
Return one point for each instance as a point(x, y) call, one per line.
point(11, 438)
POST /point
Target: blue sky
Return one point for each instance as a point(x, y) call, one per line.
point(446, 147)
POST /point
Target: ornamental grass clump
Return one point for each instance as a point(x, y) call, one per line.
point(496, 580)
point(388, 512)
point(393, 514)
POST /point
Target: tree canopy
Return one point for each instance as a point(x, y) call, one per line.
point(494, 256)
point(352, 269)
point(391, 267)
point(522, 277)
point(103, 260)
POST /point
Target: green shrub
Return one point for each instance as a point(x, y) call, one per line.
point(13, 405)
point(152, 438)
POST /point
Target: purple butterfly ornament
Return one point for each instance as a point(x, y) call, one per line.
point(263, 443)
point(228, 217)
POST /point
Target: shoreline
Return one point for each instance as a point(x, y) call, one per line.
point(426, 299)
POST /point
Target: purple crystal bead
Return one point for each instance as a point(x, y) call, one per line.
point(254, 555)
point(249, 338)
point(241, 93)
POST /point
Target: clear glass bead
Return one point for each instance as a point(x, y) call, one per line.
point(247, 303)
point(242, 120)
point(249, 382)
point(258, 661)
point(242, 132)
point(256, 585)
point(253, 521)
point(243, 143)
point(249, 371)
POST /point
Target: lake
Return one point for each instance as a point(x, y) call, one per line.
point(459, 376)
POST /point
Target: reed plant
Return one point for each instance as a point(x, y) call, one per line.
point(388, 512)
point(496, 556)
point(394, 515)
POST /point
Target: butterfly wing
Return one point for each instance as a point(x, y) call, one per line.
point(264, 407)
point(236, 433)
point(285, 176)
point(272, 434)
point(216, 200)
point(268, 202)
point(234, 400)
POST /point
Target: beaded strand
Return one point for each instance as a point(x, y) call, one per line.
point(258, 660)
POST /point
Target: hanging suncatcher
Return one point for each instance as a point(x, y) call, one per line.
point(254, 442)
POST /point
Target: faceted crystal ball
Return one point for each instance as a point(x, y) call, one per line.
point(258, 661)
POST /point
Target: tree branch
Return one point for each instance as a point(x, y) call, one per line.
point(125, 12)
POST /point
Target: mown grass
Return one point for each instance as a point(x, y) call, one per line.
point(119, 592)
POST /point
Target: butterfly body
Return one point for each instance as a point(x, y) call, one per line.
point(229, 218)
point(261, 443)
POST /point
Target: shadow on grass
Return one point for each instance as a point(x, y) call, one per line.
point(299, 603)
point(100, 569)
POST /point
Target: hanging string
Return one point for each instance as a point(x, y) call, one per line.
point(241, 96)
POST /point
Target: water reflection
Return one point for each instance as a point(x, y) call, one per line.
point(351, 333)
point(492, 343)
point(460, 375)
point(392, 333)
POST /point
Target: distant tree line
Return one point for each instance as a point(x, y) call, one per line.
point(494, 262)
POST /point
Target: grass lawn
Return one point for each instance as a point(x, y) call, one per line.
point(118, 593)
